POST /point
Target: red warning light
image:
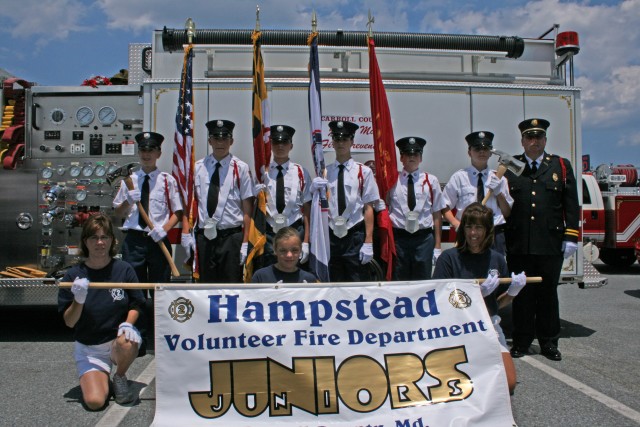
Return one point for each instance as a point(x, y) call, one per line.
point(567, 42)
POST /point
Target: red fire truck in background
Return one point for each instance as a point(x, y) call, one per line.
point(611, 213)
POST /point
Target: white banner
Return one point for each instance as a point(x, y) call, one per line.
point(396, 355)
point(363, 139)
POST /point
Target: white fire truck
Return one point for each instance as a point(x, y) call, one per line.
point(611, 213)
point(438, 86)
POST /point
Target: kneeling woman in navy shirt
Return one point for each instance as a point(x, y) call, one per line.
point(102, 319)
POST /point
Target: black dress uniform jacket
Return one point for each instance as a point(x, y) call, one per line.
point(545, 210)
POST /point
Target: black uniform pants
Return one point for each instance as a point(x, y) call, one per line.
point(146, 257)
point(415, 254)
point(536, 311)
point(344, 263)
point(219, 259)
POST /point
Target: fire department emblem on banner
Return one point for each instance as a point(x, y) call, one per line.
point(181, 310)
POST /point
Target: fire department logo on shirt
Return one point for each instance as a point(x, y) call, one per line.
point(117, 294)
point(181, 310)
point(459, 299)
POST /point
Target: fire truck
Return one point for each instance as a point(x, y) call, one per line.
point(611, 213)
point(438, 86)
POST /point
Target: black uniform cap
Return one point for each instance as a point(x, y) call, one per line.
point(411, 144)
point(282, 133)
point(149, 140)
point(220, 127)
point(340, 129)
point(534, 127)
point(481, 139)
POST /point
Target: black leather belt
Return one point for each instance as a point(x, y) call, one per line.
point(136, 232)
point(295, 225)
point(221, 233)
point(421, 232)
point(499, 228)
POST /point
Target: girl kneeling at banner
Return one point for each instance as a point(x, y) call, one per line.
point(287, 247)
point(472, 258)
point(103, 319)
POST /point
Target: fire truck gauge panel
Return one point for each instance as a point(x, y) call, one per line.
point(107, 115)
point(100, 170)
point(75, 171)
point(58, 115)
point(85, 116)
point(81, 194)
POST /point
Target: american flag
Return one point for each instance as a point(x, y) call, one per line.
point(183, 149)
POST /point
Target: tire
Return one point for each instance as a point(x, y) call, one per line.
point(617, 257)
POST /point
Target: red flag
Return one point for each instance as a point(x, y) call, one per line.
point(385, 155)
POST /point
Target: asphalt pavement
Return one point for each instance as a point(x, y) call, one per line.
point(596, 383)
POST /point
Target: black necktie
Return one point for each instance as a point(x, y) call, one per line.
point(342, 203)
point(214, 190)
point(480, 190)
point(280, 190)
point(534, 167)
point(144, 200)
point(411, 193)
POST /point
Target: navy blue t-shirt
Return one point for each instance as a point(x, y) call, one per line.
point(454, 264)
point(271, 274)
point(104, 309)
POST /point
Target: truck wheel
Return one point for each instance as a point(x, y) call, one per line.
point(617, 257)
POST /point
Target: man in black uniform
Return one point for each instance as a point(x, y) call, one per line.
point(541, 230)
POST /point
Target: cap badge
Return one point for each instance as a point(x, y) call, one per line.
point(340, 125)
point(279, 128)
point(147, 135)
point(412, 141)
point(481, 135)
point(534, 122)
point(555, 176)
point(219, 123)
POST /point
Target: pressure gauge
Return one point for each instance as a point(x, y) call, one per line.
point(57, 115)
point(47, 173)
point(60, 170)
point(84, 116)
point(107, 115)
point(81, 194)
point(112, 168)
point(75, 170)
point(100, 170)
point(87, 170)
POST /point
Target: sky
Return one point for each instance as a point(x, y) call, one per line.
point(63, 42)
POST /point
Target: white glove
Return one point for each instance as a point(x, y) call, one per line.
point(157, 234)
point(186, 241)
point(258, 188)
point(133, 196)
point(366, 253)
point(517, 283)
point(494, 183)
point(130, 332)
point(304, 255)
point(379, 205)
point(569, 248)
point(318, 184)
point(436, 254)
point(489, 285)
point(243, 252)
point(79, 289)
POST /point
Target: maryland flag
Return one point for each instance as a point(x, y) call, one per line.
point(385, 155)
point(262, 157)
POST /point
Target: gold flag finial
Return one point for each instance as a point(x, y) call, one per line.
point(257, 18)
point(314, 21)
point(370, 23)
point(190, 26)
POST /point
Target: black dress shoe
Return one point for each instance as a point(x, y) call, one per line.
point(551, 354)
point(517, 352)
